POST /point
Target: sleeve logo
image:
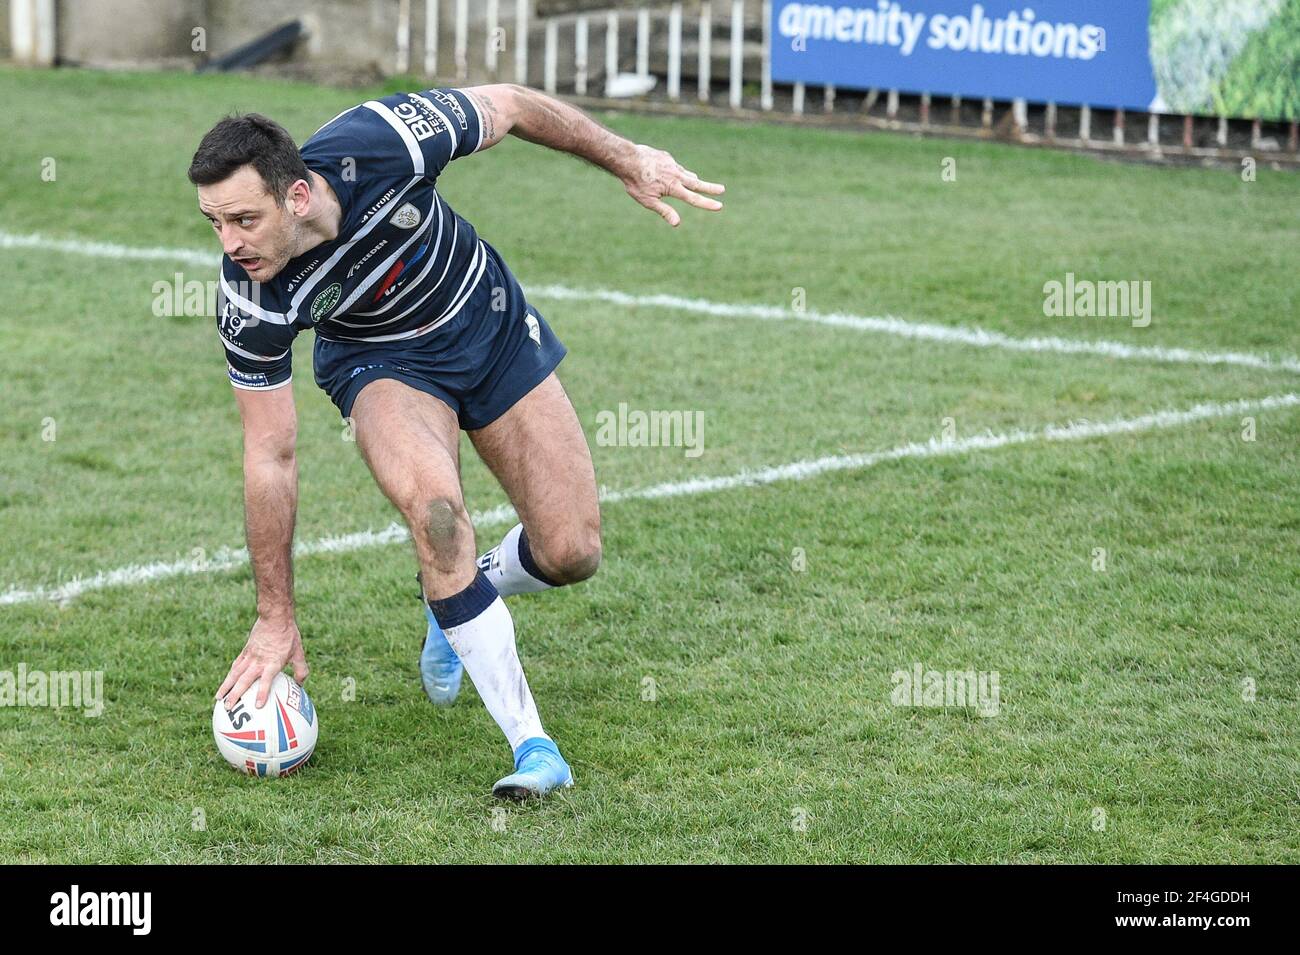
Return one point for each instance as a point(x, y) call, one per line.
point(421, 127)
point(255, 379)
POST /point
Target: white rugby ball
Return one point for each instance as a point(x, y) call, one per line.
point(273, 741)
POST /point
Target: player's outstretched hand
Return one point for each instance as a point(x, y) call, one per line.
point(270, 647)
point(656, 175)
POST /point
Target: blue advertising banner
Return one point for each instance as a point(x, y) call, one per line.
point(1044, 50)
point(1225, 57)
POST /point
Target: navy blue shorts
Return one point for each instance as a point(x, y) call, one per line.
point(480, 363)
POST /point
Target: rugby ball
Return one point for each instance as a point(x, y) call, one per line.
point(273, 741)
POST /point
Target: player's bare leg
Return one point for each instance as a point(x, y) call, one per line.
point(410, 442)
point(538, 451)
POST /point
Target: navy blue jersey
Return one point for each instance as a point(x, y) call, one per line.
point(403, 263)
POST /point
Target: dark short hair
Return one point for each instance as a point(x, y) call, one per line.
point(253, 140)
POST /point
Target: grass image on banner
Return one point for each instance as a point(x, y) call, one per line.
point(1195, 45)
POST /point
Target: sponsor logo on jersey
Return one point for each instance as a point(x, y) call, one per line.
point(325, 301)
point(306, 271)
point(415, 119)
point(407, 217)
point(365, 258)
point(383, 200)
point(386, 286)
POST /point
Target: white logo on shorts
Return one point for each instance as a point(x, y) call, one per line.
point(407, 217)
point(534, 330)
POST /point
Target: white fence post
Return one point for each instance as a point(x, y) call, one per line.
point(462, 38)
point(403, 36)
point(737, 50)
point(521, 42)
point(490, 45)
point(430, 37)
point(643, 42)
point(675, 51)
point(797, 105)
point(828, 99)
point(31, 31)
point(706, 49)
point(765, 98)
point(580, 56)
point(550, 56)
point(611, 52)
point(1085, 122)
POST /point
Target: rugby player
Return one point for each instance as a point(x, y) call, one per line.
point(421, 331)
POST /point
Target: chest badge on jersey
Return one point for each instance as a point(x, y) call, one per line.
point(407, 217)
point(325, 301)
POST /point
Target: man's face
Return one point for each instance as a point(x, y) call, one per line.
point(257, 231)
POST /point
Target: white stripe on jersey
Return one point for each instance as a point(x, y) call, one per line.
point(381, 269)
point(479, 114)
point(251, 356)
point(467, 287)
point(412, 144)
point(428, 266)
point(436, 285)
point(246, 305)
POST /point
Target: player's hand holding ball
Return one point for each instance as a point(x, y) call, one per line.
point(270, 648)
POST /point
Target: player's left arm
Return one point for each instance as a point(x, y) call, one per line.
point(650, 175)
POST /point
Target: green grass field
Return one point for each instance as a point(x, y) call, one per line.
point(1127, 729)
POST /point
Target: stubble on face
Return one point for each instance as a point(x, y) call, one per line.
point(261, 233)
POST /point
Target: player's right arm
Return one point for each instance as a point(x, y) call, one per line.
point(260, 368)
point(270, 510)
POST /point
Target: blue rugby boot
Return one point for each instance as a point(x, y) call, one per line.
point(539, 769)
point(440, 667)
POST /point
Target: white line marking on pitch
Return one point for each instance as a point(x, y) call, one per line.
point(229, 559)
point(927, 331)
point(108, 250)
point(887, 325)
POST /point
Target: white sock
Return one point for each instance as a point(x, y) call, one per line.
point(511, 568)
point(485, 643)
